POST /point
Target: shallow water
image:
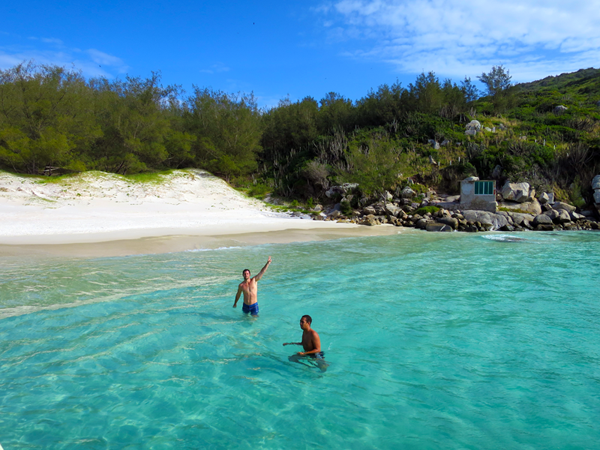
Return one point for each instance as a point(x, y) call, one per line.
point(434, 340)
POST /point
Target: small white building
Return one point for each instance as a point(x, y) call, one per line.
point(478, 194)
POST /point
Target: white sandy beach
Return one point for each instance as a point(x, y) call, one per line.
point(188, 209)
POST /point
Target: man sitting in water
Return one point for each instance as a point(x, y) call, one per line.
point(311, 344)
point(250, 290)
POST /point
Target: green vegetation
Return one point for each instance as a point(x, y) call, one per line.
point(426, 209)
point(53, 121)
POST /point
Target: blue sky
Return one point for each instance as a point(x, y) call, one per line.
point(302, 47)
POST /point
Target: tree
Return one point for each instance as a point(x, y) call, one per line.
point(497, 81)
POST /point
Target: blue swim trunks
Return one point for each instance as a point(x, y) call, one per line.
point(252, 309)
point(319, 355)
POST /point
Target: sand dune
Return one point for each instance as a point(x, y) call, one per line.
point(98, 206)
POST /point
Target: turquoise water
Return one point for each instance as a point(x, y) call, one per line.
point(442, 340)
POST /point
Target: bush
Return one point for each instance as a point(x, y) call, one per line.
point(426, 209)
point(346, 208)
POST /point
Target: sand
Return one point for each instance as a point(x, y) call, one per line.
point(102, 214)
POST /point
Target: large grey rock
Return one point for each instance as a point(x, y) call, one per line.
point(473, 125)
point(560, 109)
point(597, 196)
point(596, 182)
point(542, 219)
point(470, 132)
point(554, 214)
point(575, 216)
point(447, 220)
point(520, 218)
point(435, 144)
point(421, 223)
point(436, 226)
point(565, 206)
point(407, 192)
point(497, 172)
point(392, 209)
point(532, 207)
point(517, 192)
point(492, 220)
point(563, 216)
point(546, 197)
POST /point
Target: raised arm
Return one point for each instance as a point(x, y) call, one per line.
point(263, 270)
point(237, 296)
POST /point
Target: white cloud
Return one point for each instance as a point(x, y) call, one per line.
point(455, 38)
point(52, 51)
point(216, 68)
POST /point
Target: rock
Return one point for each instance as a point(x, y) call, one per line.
point(564, 206)
point(532, 207)
point(519, 218)
point(369, 210)
point(318, 208)
point(502, 127)
point(334, 214)
point(448, 221)
point(392, 209)
point(563, 216)
point(544, 227)
point(445, 142)
point(553, 214)
point(575, 216)
point(517, 192)
point(407, 193)
point(559, 109)
point(435, 226)
point(497, 172)
point(435, 144)
point(421, 223)
point(334, 191)
point(471, 179)
point(543, 198)
point(597, 196)
point(488, 129)
point(542, 219)
point(488, 220)
point(388, 197)
point(596, 182)
point(473, 125)
point(470, 132)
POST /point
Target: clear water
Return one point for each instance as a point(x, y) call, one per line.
point(435, 341)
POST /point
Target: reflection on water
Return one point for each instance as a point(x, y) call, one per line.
point(434, 341)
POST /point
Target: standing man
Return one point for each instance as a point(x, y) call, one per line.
point(311, 342)
point(250, 290)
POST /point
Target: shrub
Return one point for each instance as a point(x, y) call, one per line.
point(427, 209)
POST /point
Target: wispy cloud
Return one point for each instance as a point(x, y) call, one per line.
point(452, 37)
point(216, 68)
point(53, 51)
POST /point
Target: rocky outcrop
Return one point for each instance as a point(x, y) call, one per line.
point(596, 188)
point(518, 192)
point(559, 109)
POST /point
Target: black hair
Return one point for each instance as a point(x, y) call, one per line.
point(308, 318)
point(245, 270)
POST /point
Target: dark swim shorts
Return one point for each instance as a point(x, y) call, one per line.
point(252, 309)
point(319, 355)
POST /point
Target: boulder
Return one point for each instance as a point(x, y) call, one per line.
point(435, 226)
point(532, 207)
point(421, 223)
point(497, 172)
point(446, 220)
point(597, 196)
point(564, 216)
point(517, 192)
point(407, 193)
point(392, 209)
point(488, 220)
point(560, 109)
point(435, 144)
point(596, 182)
point(520, 218)
point(387, 196)
point(369, 210)
point(553, 214)
point(564, 206)
point(542, 219)
point(473, 125)
point(470, 132)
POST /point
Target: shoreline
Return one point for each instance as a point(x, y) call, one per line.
point(172, 243)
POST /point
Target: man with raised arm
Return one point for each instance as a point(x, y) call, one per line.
point(311, 342)
point(250, 289)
